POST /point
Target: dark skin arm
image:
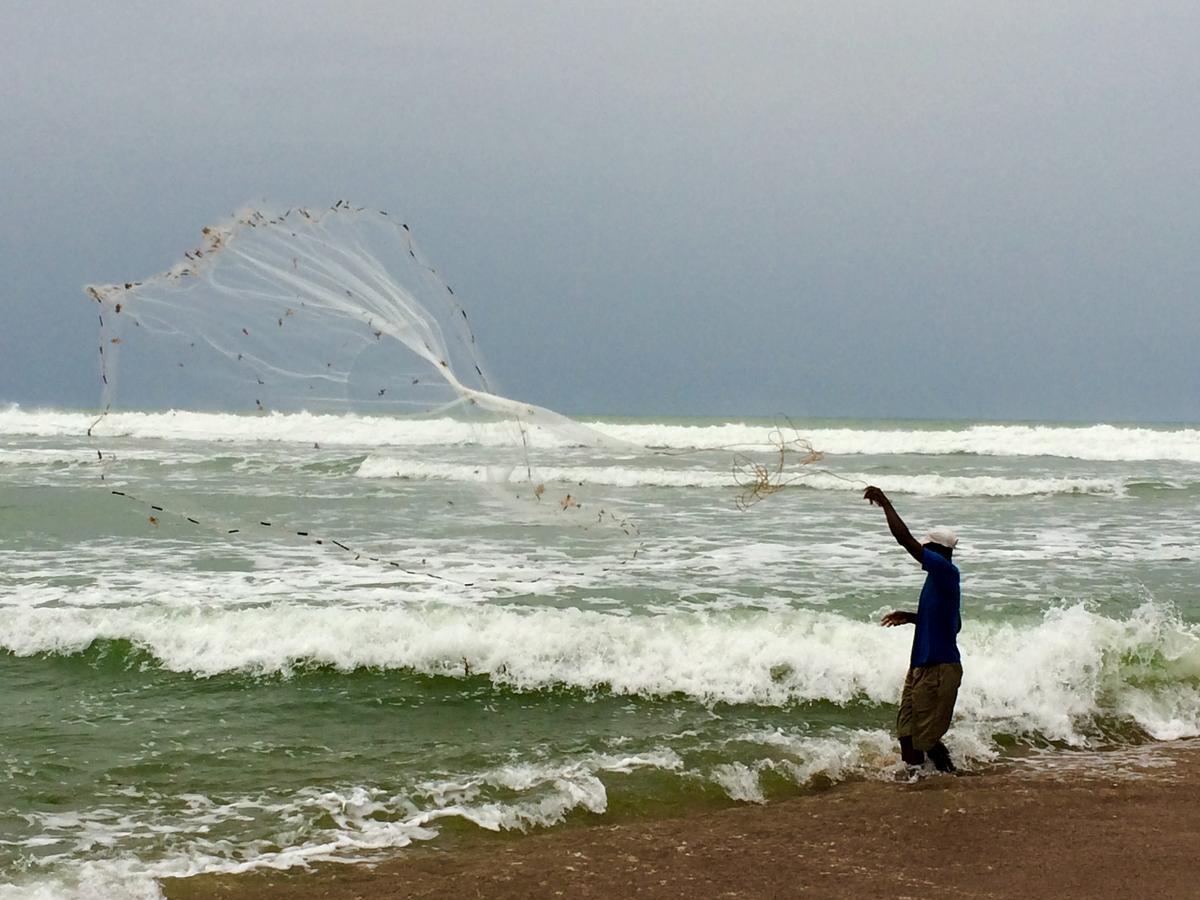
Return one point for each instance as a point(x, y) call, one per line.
point(904, 538)
point(896, 524)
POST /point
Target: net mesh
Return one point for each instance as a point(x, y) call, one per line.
point(330, 311)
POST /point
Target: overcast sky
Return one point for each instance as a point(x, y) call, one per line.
point(821, 209)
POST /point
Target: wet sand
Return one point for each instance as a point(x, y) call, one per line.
point(1107, 825)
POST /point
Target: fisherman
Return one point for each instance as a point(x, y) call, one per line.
point(935, 668)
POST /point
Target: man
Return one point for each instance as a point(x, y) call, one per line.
point(935, 669)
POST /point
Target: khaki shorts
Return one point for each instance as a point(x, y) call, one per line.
point(927, 703)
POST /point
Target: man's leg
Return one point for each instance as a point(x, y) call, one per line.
point(904, 725)
point(909, 753)
point(935, 691)
point(940, 757)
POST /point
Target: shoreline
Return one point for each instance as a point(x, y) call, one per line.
point(1104, 824)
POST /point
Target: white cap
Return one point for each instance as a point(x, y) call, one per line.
point(941, 535)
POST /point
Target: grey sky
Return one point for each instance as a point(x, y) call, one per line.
point(857, 209)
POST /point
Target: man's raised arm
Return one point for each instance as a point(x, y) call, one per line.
point(899, 530)
point(904, 538)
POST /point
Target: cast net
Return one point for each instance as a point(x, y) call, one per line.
point(325, 311)
point(337, 312)
point(333, 312)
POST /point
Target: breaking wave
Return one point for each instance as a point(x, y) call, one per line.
point(1056, 678)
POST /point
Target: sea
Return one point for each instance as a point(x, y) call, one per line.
point(233, 642)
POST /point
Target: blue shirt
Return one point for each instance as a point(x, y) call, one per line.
point(938, 619)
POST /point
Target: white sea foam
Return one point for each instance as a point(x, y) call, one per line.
point(363, 822)
point(1090, 442)
point(120, 879)
point(357, 823)
point(740, 782)
point(1054, 677)
point(800, 759)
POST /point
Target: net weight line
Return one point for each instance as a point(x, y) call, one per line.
point(313, 539)
point(277, 527)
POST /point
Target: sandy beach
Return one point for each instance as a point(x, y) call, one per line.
point(1097, 825)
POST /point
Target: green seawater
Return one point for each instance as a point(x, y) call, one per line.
point(222, 694)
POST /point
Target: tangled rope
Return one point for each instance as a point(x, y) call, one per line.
point(758, 479)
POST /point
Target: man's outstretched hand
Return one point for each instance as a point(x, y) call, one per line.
point(898, 617)
point(876, 496)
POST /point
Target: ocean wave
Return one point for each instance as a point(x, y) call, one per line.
point(384, 465)
point(1097, 443)
point(68, 457)
point(1086, 442)
point(390, 466)
point(1056, 678)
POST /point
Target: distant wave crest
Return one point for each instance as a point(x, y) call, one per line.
point(1091, 442)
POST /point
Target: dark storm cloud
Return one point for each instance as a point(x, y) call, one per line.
point(934, 209)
